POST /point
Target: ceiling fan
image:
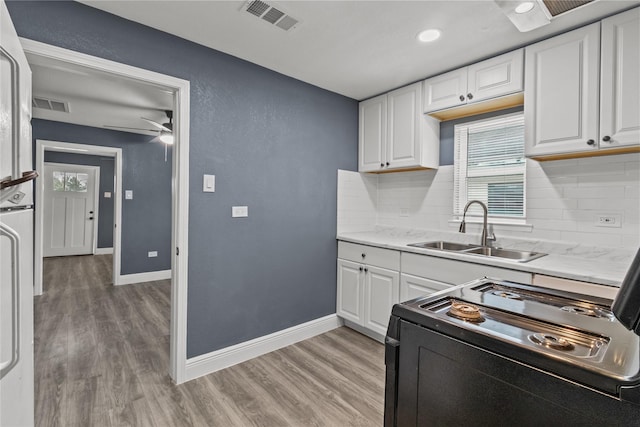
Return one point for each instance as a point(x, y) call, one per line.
point(165, 129)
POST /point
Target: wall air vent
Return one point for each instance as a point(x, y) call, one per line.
point(270, 14)
point(558, 7)
point(50, 104)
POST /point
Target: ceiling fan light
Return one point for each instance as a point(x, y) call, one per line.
point(524, 7)
point(166, 137)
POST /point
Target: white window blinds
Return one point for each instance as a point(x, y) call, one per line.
point(489, 165)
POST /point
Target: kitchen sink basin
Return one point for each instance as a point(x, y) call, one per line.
point(443, 246)
point(514, 255)
point(520, 256)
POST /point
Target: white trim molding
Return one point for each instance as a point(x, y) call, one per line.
point(220, 359)
point(103, 251)
point(180, 195)
point(150, 276)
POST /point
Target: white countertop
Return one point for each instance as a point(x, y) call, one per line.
point(605, 266)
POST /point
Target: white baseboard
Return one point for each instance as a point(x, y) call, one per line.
point(128, 279)
point(103, 251)
point(229, 356)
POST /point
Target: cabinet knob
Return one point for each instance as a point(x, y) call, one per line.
point(470, 95)
point(361, 268)
point(366, 269)
point(606, 138)
point(388, 163)
point(461, 97)
point(364, 255)
point(590, 142)
point(381, 165)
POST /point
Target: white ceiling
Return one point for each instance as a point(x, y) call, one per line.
point(97, 98)
point(355, 48)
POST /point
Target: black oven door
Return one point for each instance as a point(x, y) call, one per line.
point(442, 381)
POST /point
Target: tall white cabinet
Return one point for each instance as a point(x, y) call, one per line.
point(395, 135)
point(620, 80)
point(583, 90)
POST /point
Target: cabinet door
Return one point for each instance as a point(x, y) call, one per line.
point(413, 287)
point(561, 84)
point(403, 140)
point(372, 134)
point(350, 291)
point(381, 291)
point(446, 90)
point(495, 77)
point(620, 87)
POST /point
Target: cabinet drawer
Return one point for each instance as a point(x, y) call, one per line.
point(413, 287)
point(385, 258)
point(456, 272)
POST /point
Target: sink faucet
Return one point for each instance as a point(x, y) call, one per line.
point(483, 238)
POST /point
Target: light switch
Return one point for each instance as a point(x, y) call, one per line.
point(128, 194)
point(107, 194)
point(239, 211)
point(209, 184)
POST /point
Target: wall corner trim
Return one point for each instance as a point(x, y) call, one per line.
point(103, 251)
point(220, 359)
point(128, 279)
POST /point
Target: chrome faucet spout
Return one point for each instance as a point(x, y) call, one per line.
point(483, 238)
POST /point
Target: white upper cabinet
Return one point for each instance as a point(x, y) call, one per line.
point(394, 134)
point(562, 81)
point(372, 133)
point(620, 86)
point(583, 91)
point(445, 91)
point(495, 77)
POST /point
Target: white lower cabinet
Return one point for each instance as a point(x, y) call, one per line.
point(381, 290)
point(366, 292)
point(413, 286)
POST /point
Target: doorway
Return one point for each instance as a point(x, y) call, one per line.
point(180, 188)
point(70, 209)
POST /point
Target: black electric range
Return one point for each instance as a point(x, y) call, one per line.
point(493, 352)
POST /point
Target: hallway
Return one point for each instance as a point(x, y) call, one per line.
point(102, 356)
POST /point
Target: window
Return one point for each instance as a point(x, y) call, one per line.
point(489, 165)
point(70, 181)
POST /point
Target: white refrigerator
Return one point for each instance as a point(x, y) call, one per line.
point(16, 231)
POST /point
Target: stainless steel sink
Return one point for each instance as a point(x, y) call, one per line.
point(443, 246)
point(514, 255)
point(520, 256)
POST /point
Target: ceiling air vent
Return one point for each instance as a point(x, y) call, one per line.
point(270, 14)
point(558, 7)
point(50, 104)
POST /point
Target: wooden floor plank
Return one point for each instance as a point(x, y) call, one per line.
point(102, 359)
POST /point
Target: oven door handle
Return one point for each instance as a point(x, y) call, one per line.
point(391, 356)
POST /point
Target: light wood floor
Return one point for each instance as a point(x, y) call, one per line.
point(102, 357)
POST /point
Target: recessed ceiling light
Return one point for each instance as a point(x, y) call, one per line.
point(524, 7)
point(429, 35)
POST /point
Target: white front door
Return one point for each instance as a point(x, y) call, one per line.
point(70, 209)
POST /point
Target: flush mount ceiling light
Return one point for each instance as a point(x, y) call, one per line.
point(430, 35)
point(524, 7)
point(526, 16)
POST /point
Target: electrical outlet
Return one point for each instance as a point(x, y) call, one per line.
point(609, 220)
point(239, 211)
point(153, 254)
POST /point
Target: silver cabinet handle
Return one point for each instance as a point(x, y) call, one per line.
point(6, 366)
point(15, 124)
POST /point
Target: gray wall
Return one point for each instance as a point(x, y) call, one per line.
point(105, 205)
point(274, 144)
point(146, 220)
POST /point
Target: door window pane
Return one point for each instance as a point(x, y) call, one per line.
point(58, 181)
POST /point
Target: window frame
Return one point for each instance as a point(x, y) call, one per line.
point(461, 170)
